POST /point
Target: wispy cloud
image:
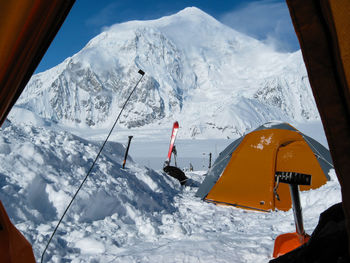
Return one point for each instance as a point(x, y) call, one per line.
point(119, 11)
point(106, 16)
point(267, 20)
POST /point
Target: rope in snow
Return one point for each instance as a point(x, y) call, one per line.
point(92, 166)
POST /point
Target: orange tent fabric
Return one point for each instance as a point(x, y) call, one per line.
point(27, 28)
point(323, 30)
point(248, 179)
point(13, 245)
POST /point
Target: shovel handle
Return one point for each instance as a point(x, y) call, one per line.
point(297, 210)
point(293, 178)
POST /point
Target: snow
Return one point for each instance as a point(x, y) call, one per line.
point(263, 141)
point(217, 90)
point(219, 82)
point(90, 246)
point(132, 215)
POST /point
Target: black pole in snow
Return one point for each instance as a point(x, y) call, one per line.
point(127, 150)
point(297, 211)
point(175, 154)
point(209, 160)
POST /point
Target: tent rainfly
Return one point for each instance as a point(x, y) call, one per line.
point(244, 173)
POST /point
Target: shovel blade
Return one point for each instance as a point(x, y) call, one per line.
point(287, 242)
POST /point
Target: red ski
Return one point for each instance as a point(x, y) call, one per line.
point(172, 141)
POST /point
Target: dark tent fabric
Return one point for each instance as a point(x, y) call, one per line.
point(323, 30)
point(27, 28)
point(328, 242)
point(322, 26)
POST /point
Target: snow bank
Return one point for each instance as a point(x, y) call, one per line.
point(131, 215)
point(41, 169)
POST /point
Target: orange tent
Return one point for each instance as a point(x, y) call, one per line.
point(244, 173)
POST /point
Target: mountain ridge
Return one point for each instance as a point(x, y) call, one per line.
point(217, 81)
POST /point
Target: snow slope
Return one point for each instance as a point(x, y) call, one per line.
point(41, 170)
point(132, 215)
point(217, 81)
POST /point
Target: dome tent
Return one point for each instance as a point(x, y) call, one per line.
point(244, 173)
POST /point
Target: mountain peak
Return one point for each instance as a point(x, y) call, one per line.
point(190, 60)
point(191, 15)
point(192, 11)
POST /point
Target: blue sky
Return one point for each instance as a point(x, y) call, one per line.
point(266, 20)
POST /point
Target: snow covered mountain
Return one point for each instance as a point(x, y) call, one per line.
point(217, 81)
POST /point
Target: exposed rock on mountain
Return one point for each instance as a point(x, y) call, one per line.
point(217, 81)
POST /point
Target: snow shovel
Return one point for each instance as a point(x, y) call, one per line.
point(290, 241)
